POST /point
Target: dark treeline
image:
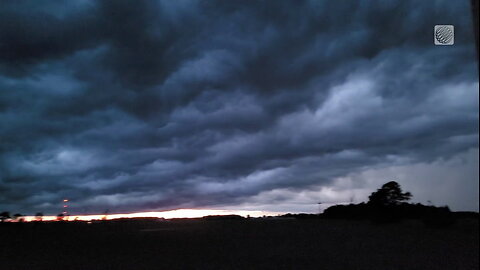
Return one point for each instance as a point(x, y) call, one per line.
point(389, 204)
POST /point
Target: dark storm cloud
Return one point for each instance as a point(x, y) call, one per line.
point(158, 105)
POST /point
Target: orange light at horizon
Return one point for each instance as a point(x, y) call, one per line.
point(178, 213)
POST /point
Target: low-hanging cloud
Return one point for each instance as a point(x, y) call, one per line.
point(158, 105)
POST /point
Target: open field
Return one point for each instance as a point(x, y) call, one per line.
point(239, 244)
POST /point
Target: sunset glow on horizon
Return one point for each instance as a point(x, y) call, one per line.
point(136, 106)
point(178, 213)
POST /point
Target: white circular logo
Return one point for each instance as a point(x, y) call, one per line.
point(443, 35)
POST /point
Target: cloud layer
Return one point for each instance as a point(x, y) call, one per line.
point(161, 105)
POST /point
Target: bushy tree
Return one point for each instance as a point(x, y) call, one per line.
point(389, 194)
point(18, 217)
point(4, 216)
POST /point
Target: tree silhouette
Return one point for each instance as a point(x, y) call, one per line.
point(389, 194)
point(4, 216)
point(39, 216)
point(60, 217)
point(18, 217)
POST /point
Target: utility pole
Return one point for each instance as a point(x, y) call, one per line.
point(65, 208)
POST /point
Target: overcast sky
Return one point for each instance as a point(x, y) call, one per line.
point(256, 105)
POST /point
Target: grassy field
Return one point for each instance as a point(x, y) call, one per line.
point(239, 244)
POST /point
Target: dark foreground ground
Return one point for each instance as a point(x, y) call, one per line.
point(239, 244)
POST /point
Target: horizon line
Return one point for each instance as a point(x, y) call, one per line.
point(169, 214)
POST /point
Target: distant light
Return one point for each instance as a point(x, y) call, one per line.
point(178, 213)
point(65, 200)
